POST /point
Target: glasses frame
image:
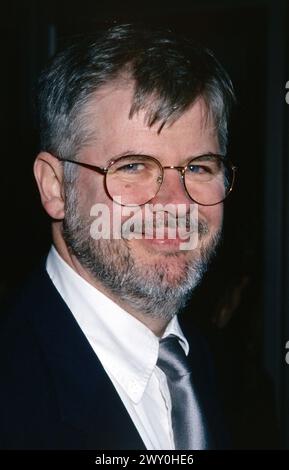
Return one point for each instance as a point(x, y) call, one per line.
point(181, 169)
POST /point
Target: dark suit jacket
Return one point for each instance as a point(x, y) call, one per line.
point(54, 392)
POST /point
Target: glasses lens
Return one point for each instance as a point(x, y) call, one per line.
point(208, 179)
point(135, 179)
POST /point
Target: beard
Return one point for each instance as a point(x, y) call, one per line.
point(156, 286)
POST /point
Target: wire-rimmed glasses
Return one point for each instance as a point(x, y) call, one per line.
point(136, 179)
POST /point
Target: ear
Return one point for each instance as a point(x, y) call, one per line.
point(48, 173)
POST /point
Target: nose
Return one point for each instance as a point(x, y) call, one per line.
point(172, 190)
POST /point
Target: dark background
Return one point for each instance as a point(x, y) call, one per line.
point(242, 307)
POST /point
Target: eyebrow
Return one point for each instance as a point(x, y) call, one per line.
point(127, 153)
point(157, 157)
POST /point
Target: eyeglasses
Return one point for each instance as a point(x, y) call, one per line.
point(208, 179)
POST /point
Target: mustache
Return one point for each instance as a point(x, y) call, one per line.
point(165, 223)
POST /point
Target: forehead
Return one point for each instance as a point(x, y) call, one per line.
point(115, 132)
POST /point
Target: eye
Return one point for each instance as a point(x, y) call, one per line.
point(199, 169)
point(132, 168)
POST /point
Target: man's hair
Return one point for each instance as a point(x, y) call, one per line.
point(168, 73)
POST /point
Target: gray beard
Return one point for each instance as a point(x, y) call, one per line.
point(147, 288)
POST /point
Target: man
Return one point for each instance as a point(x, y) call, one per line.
point(133, 120)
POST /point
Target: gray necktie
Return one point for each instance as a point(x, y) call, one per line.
point(186, 419)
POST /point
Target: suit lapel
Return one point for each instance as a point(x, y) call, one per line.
point(86, 396)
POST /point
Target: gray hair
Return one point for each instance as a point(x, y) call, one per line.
point(169, 73)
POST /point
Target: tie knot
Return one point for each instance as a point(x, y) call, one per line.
point(172, 358)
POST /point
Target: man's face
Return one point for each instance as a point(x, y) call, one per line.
point(153, 276)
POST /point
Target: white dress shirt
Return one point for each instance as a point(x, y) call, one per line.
point(127, 350)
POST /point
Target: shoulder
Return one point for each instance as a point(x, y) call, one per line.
point(16, 332)
point(34, 292)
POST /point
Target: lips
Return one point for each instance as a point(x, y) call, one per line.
point(162, 244)
point(160, 235)
point(167, 235)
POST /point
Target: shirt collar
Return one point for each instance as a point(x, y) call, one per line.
point(127, 349)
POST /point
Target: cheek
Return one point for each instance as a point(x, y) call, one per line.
point(92, 191)
point(212, 215)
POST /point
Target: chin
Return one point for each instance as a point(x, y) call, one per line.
point(171, 264)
